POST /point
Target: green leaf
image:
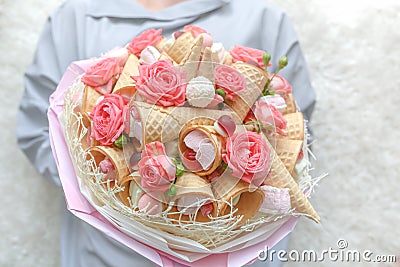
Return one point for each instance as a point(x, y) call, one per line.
point(221, 92)
point(179, 169)
point(171, 192)
point(121, 141)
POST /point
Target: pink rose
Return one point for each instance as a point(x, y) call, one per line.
point(194, 30)
point(146, 38)
point(161, 83)
point(248, 155)
point(229, 79)
point(280, 86)
point(107, 168)
point(103, 75)
point(207, 209)
point(268, 114)
point(108, 119)
point(156, 168)
point(247, 55)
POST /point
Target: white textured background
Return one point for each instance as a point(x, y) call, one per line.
point(353, 51)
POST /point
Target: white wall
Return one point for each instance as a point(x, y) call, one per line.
point(352, 47)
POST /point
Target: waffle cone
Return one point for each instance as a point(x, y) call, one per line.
point(161, 44)
point(228, 59)
point(124, 195)
point(86, 140)
point(255, 82)
point(206, 68)
point(125, 85)
point(117, 158)
point(164, 56)
point(288, 151)
point(227, 187)
point(192, 184)
point(164, 123)
point(280, 177)
point(295, 126)
point(181, 47)
point(135, 178)
point(90, 96)
point(217, 140)
point(191, 60)
point(290, 105)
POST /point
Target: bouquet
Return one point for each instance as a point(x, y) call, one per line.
point(187, 147)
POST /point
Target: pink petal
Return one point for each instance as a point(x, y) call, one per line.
point(194, 138)
point(206, 154)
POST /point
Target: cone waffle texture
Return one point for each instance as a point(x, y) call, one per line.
point(255, 82)
point(181, 47)
point(90, 96)
point(117, 158)
point(165, 56)
point(290, 104)
point(192, 59)
point(288, 152)
point(164, 123)
point(227, 188)
point(161, 44)
point(192, 184)
point(280, 177)
point(124, 195)
point(125, 85)
point(216, 139)
point(206, 68)
point(87, 123)
point(295, 126)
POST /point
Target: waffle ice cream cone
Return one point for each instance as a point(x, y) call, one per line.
point(255, 82)
point(164, 123)
point(295, 126)
point(124, 195)
point(161, 44)
point(228, 59)
point(227, 188)
point(190, 184)
point(290, 105)
point(288, 152)
point(280, 177)
point(86, 123)
point(125, 85)
point(181, 47)
point(206, 68)
point(191, 60)
point(216, 139)
point(165, 56)
point(90, 96)
point(117, 158)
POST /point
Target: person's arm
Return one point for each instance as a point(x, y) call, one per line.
point(55, 50)
point(40, 81)
point(285, 43)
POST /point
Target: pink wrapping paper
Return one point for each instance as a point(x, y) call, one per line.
point(81, 208)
